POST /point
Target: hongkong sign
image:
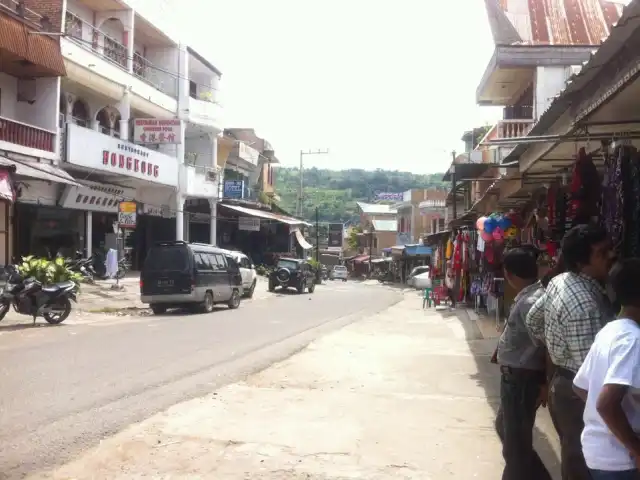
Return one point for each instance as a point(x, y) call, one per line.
point(157, 130)
point(90, 149)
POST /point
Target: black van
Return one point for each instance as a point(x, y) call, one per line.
point(194, 275)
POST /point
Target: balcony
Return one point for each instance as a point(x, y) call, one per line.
point(26, 135)
point(113, 51)
point(514, 128)
point(203, 111)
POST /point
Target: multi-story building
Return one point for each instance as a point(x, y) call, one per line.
point(248, 173)
point(539, 45)
point(420, 213)
point(135, 118)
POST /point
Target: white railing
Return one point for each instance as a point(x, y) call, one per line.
point(155, 76)
point(514, 128)
point(26, 135)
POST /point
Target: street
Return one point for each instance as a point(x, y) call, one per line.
point(66, 388)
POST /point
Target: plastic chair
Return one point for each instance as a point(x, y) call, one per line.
point(427, 297)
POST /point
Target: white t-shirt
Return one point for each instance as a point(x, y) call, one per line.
point(614, 358)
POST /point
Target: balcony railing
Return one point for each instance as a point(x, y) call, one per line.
point(26, 135)
point(91, 38)
point(161, 79)
point(514, 128)
point(17, 7)
point(517, 111)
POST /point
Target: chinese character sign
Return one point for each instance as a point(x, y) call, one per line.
point(127, 214)
point(157, 131)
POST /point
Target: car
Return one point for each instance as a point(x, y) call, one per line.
point(293, 273)
point(197, 276)
point(416, 271)
point(339, 272)
point(247, 272)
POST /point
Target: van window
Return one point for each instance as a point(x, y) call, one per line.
point(202, 261)
point(168, 258)
point(218, 261)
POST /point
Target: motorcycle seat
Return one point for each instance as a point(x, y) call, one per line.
point(58, 286)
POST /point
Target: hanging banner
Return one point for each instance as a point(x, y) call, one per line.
point(249, 224)
point(335, 235)
point(127, 214)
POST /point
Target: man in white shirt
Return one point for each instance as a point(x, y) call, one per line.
point(609, 382)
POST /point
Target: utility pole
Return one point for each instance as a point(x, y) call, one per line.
point(370, 247)
point(453, 184)
point(318, 277)
point(301, 187)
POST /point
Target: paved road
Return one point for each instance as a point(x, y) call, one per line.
point(65, 388)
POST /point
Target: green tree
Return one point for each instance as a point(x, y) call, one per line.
point(352, 239)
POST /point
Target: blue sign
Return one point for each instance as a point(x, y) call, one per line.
point(233, 189)
point(417, 250)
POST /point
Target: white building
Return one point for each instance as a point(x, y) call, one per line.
point(135, 118)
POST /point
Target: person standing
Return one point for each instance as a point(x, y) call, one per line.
point(566, 319)
point(609, 382)
point(522, 365)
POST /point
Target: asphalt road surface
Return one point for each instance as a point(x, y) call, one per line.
point(65, 388)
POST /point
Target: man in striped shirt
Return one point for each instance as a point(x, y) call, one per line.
point(566, 319)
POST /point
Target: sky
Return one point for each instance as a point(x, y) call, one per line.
point(379, 84)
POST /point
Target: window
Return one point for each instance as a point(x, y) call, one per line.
point(219, 262)
point(193, 89)
point(202, 261)
point(245, 263)
point(167, 259)
point(441, 224)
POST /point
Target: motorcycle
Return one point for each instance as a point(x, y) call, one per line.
point(30, 297)
point(84, 267)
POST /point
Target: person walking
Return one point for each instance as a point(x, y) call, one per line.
point(609, 382)
point(566, 319)
point(522, 365)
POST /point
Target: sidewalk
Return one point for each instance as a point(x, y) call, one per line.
point(403, 394)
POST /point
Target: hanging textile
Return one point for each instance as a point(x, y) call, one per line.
point(585, 189)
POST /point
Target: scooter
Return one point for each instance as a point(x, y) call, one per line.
point(30, 297)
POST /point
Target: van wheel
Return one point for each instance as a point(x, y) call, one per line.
point(207, 304)
point(234, 301)
point(158, 309)
point(249, 293)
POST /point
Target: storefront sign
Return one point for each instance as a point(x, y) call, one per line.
point(245, 152)
point(158, 211)
point(233, 189)
point(90, 149)
point(249, 224)
point(157, 131)
point(95, 197)
point(335, 235)
point(127, 214)
point(389, 196)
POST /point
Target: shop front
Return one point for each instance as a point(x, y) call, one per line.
point(117, 170)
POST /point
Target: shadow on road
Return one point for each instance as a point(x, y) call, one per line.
point(13, 327)
point(488, 377)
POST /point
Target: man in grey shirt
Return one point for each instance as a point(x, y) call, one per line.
point(522, 364)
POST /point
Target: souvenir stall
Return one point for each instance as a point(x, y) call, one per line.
point(496, 233)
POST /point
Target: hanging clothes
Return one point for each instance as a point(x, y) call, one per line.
point(630, 170)
point(585, 189)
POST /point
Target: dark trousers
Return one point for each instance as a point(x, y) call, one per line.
point(514, 424)
point(622, 475)
point(566, 410)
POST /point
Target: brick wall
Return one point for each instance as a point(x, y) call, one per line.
point(48, 8)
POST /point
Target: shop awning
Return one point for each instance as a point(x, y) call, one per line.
point(39, 171)
point(466, 171)
point(253, 212)
point(381, 260)
point(358, 258)
point(302, 241)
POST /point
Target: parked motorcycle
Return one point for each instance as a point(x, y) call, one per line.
point(83, 266)
point(30, 297)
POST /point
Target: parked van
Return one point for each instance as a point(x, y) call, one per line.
point(194, 275)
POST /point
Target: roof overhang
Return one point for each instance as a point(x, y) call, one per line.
point(466, 171)
point(511, 69)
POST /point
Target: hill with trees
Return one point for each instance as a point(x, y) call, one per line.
point(335, 192)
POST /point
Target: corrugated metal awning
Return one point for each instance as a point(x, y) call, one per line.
point(267, 215)
point(302, 241)
point(39, 171)
point(41, 51)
